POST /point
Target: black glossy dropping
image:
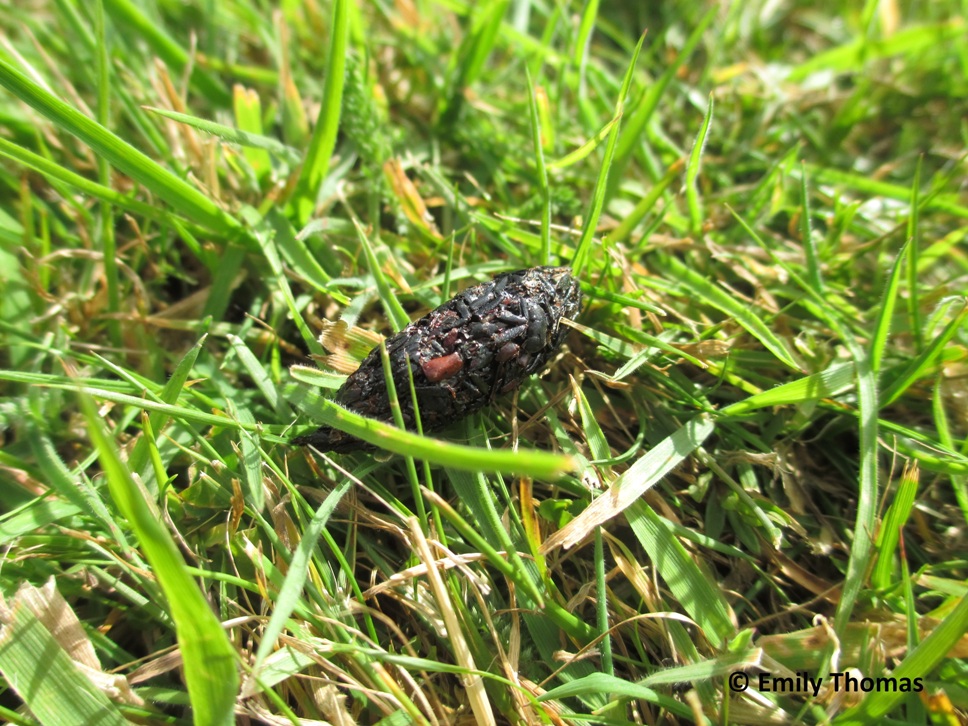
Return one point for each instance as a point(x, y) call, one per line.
point(481, 344)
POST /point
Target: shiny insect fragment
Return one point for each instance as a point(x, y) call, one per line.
point(481, 344)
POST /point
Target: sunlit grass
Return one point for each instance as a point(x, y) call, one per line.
point(749, 457)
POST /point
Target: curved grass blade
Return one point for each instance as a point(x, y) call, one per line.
point(882, 327)
point(207, 655)
point(688, 580)
point(537, 464)
point(924, 362)
point(894, 520)
point(175, 191)
point(597, 683)
point(585, 149)
point(232, 135)
point(82, 184)
point(826, 384)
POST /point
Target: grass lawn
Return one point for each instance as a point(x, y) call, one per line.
point(738, 494)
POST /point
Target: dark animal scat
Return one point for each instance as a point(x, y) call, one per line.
point(482, 343)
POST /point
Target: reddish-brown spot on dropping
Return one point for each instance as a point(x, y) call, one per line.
point(439, 369)
point(506, 352)
point(450, 339)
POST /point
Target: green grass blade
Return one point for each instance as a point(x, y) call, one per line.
point(646, 204)
point(170, 394)
point(232, 135)
point(916, 665)
point(129, 17)
point(603, 683)
point(925, 361)
point(251, 460)
point(537, 464)
point(601, 186)
point(186, 413)
point(292, 587)
point(398, 316)
point(273, 231)
point(585, 29)
point(33, 516)
point(594, 436)
point(471, 56)
point(247, 108)
point(82, 184)
point(508, 564)
point(867, 486)
point(323, 141)
point(826, 384)
point(890, 532)
point(295, 252)
point(42, 672)
point(814, 276)
point(875, 188)
point(106, 218)
point(483, 39)
point(940, 416)
point(257, 372)
point(207, 655)
point(397, 415)
point(691, 584)
point(59, 478)
point(693, 200)
point(912, 40)
point(183, 197)
point(227, 277)
point(539, 161)
point(583, 151)
point(317, 378)
point(602, 606)
point(701, 287)
point(914, 251)
point(882, 328)
point(635, 128)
